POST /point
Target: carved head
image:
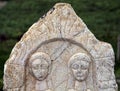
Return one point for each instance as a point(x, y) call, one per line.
point(39, 64)
point(79, 65)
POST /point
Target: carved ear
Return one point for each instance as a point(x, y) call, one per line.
point(50, 67)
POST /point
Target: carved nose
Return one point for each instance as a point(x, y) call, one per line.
point(40, 73)
point(79, 73)
point(79, 70)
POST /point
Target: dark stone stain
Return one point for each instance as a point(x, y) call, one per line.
point(52, 9)
point(43, 16)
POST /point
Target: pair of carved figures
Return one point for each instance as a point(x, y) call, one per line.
point(59, 53)
point(40, 66)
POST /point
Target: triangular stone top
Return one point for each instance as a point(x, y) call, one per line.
point(61, 42)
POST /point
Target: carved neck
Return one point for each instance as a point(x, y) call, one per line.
point(41, 85)
point(80, 86)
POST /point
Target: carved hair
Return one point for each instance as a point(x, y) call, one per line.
point(79, 56)
point(39, 55)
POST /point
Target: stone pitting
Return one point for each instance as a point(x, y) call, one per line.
point(59, 53)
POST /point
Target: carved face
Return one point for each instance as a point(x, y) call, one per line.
point(80, 69)
point(40, 69)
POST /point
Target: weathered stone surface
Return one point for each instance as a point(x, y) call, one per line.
point(59, 53)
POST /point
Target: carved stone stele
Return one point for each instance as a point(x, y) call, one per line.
point(59, 53)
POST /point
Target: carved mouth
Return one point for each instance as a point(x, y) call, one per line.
point(40, 76)
point(79, 75)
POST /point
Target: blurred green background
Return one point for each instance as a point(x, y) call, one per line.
point(101, 16)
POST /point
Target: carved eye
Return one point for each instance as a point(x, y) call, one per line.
point(75, 66)
point(83, 67)
point(44, 66)
point(35, 67)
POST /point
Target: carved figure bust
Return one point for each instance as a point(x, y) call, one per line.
point(39, 68)
point(39, 64)
point(79, 65)
point(60, 53)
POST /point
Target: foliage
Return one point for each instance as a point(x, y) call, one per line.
point(101, 17)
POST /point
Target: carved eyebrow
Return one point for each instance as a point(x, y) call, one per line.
point(35, 66)
point(84, 66)
point(74, 64)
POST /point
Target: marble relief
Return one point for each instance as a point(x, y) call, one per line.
point(79, 65)
point(59, 53)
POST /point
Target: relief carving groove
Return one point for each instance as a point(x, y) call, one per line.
point(59, 53)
